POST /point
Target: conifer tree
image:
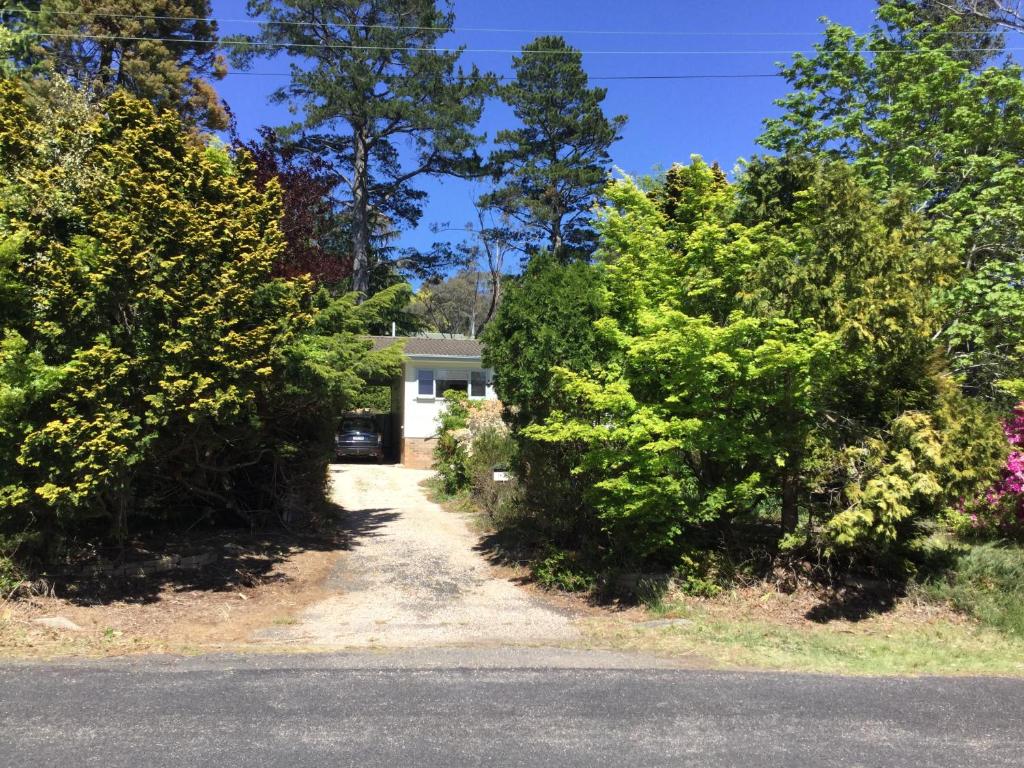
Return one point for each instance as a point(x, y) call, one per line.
point(164, 51)
point(370, 78)
point(923, 108)
point(554, 165)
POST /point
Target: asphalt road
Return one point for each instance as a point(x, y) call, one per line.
point(492, 709)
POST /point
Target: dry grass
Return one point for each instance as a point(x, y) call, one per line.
point(169, 615)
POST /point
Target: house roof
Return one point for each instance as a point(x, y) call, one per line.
point(419, 346)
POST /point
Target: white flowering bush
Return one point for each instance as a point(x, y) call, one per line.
point(473, 441)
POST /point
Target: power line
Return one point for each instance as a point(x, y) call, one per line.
point(519, 51)
point(729, 76)
point(399, 27)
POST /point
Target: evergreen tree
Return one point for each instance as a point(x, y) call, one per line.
point(546, 319)
point(164, 51)
point(150, 365)
point(552, 168)
point(923, 110)
point(371, 76)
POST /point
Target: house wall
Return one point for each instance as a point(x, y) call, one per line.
point(420, 415)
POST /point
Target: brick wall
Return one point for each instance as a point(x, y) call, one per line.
point(418, 452)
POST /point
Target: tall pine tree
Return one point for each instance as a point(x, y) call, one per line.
point(553, 167)
point(368, 76)
point(164, 51)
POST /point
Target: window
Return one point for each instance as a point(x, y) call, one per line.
point(426, 382)
point(448, 380)
point(477, 384)
point(358, 425)
point(435, 382)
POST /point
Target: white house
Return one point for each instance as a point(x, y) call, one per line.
point(432, 365)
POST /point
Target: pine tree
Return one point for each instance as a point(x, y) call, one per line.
point(553, 167)
point(164, 51)
point(372, 77)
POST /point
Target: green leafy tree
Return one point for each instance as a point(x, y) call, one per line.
point(765, 348)
point(546, 319)
point(551, 170)
point(675, 423)
point(164, 51)
point(371, 77)
point(922, 110)
point(152, 368)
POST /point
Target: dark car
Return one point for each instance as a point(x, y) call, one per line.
point(359, 436)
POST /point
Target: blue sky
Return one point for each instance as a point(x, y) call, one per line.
point(668, 119)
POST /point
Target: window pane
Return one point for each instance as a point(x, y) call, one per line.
point(444, 385)
point(477, 384)
point(426, 379)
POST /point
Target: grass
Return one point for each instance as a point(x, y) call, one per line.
point(969, 622)
point(940, 647)
point(460, 502)
point(987, 583)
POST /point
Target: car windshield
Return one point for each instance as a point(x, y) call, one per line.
point(357, 425)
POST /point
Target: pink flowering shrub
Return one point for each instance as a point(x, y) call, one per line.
point(1001, 510)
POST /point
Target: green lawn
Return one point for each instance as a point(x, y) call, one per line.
point(939, 647)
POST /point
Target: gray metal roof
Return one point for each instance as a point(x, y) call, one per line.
point(419, 346)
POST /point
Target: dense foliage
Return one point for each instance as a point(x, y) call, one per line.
point(760, 351)
point(151, 367)
point(546, 319)
point(312, 223)
point(1000, 510)
point(819, 355)
point(922, 108)
point(165, 51)
point(473, 444)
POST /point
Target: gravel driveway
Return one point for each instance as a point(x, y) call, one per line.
point(413, 579)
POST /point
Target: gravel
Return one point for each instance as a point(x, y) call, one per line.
point(413, 578)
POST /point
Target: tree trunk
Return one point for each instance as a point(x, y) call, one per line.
point(360, 217)
point(495, 282)
point(106, 75)
point(790, 493)
point(556, 237)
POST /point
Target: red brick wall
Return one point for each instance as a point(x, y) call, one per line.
point(418, 452)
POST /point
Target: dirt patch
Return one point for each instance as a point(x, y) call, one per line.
point(809, 606)
point(254, 582)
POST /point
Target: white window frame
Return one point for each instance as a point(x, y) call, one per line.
point(445, 374)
